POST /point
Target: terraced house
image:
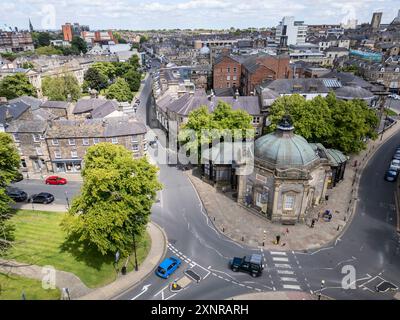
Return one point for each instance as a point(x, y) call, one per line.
point(68, 140)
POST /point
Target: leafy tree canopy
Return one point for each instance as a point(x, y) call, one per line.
point(61, 88)
point(79, 44)
point(14, 86)
point(9, 165)
point(119, 90)
point(335, 123)
point(116, 199)
point(94, 79)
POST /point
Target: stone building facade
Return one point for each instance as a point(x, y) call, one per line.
point(68, 140)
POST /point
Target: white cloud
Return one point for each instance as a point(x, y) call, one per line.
point(193, 13)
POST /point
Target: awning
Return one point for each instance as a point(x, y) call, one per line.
point(78, 161)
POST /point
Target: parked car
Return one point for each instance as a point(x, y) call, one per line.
point(396, 156)
point(395, 164)
point(16, 194)
point(391, 175)
point(167, 267)
point(42, 197)
point(55, 180)
point(252, 264)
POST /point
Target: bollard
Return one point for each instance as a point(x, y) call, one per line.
point(242, 238)
point(344, 218)
point(223, 229)
point(214, 218)
point(338, 227)
point(263, 244)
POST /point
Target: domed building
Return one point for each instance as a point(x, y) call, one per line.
point(289, 177)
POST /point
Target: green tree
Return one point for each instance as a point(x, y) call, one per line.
point(224, 120)
point(115, 202)
point(43, 39)
point(48, 51)
point(311, 119)
point(119, 90)
point(106, 68)
point(14, 86)
point(133, 78)
point(27, 65)
point(94, 79)
point(79, 44)
point(60, 88)
point(134, 61)
point(343, 125)
point(121, 68)
point(9, 165)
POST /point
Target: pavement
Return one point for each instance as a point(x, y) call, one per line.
point(78, 289)
point(62, 279)
point(247, 227)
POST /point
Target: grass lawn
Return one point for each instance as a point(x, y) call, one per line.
point(12, 286)
point(390, 112)
point(39, 240)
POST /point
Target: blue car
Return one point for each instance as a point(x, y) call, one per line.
point(167, 267)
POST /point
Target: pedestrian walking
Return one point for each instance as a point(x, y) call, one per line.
point(312, 223)
point(278, 238)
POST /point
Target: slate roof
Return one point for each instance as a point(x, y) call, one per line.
point(105, 109)
point(27, 126)
point(303, 85)
point(188, 102)
point(348, 77)
point(33, 102)
point(89, 128)
point(87, 105)
point(12, 110)
point(55, 104)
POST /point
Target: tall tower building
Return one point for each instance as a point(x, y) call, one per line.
point(290, 31)
point(376, 20)
point(67, 32)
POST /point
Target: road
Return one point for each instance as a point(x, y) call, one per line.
point(370, 244)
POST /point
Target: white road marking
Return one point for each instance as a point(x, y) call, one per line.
point(291, 286)
point(283, 265)
point(144, 289)
point(278, 253)
point(280, 259)
point(287, 279)
point(285, 272)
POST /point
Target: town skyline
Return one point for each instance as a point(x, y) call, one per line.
point(210, 14)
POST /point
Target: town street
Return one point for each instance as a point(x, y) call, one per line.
point(370, 243)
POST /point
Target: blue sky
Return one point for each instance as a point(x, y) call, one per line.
point(168, 14)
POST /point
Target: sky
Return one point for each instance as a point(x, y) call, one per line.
point(187, 14)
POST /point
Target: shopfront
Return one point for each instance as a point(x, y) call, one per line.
point(67, 165)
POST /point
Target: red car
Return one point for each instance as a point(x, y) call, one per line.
point(55, 180)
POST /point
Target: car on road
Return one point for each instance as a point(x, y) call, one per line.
point(391, 175)
point(167, 267)
point(16, 194)
point(396, 156)
point(395, 164)
point(394, 96)
point(252, 264)
point(55, 180)
point(42, 197)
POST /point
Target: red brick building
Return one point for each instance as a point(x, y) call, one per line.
point(246, 73)
point(226, 73)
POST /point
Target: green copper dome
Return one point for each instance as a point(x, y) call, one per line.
point(283, 149)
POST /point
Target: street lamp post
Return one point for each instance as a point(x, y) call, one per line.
point(66, 198)
point(134, 251)
point(322, 287)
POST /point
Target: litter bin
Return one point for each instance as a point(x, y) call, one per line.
point(123, 270)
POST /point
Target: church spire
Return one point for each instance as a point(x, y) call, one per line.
point(30, 25)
